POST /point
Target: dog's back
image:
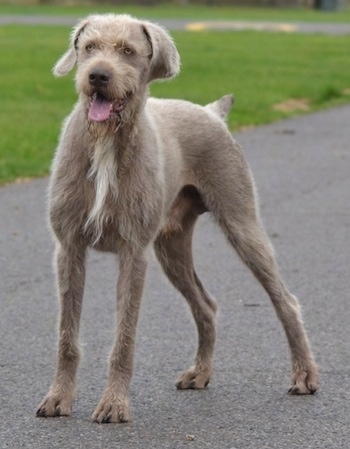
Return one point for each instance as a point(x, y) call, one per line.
point(220, 107)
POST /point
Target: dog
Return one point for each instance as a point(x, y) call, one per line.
point(131, 171)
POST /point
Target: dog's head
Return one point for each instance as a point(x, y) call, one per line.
point(117, 56)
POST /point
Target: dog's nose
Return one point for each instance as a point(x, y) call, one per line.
point(99, 77)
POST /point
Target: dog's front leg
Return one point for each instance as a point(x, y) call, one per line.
point(71, 277)
point(114, 404)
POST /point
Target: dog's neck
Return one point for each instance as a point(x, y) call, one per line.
point(115, 137)
point(122, 129)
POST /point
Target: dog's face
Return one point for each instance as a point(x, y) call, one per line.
point(117, 56)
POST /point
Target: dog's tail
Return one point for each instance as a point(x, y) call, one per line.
point(222, 106)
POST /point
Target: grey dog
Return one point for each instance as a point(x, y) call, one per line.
point(130, 171)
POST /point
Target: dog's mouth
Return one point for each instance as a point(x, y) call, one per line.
point(101, 108)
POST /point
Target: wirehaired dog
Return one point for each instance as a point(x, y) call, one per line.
point(130, 171)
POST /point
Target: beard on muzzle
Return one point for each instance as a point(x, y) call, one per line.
point(101, 130)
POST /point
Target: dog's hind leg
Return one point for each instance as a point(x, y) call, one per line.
point(232, 201)
point(255, 250)
point(174, 252)
point(70, 277)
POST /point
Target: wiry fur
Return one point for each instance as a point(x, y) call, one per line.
point(141, 176)
point(103, 173)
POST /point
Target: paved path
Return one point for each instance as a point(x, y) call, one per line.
point(191, 25)
point(302, 171)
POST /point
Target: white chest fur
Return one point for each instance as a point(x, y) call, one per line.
point(103, 173)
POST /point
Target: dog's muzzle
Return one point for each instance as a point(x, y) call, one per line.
point(102, 107)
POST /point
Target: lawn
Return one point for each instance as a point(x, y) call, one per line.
point(262, 70)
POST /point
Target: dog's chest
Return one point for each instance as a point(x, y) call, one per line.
point(104, 218)
point(121, 214)
point(104, 203)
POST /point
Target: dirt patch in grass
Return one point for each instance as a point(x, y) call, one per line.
point(293, 104)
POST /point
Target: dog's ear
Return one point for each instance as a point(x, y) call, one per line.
point(67, 61)
point(165, 59)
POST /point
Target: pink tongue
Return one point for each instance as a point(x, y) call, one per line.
point(100, 109)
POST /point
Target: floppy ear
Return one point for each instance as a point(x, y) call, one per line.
point(165, 60)
point(69, 59)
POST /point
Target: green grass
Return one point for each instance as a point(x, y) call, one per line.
point(261, 69)
point(196, 12)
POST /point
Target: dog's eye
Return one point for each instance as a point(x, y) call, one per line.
point(128, 51)
point(89, 48)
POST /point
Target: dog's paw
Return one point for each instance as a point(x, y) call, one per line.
point(110, 410)
point(55, 405)
point(304, 381)
point(193, 379)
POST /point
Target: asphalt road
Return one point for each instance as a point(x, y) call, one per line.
point(193, 25)
point(302, 171)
